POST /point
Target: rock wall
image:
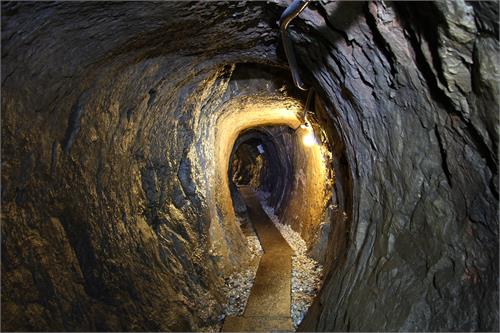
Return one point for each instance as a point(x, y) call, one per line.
point(112, 218)
point(412, 89)
point(105, 210)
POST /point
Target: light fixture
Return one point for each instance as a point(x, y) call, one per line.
point(308, 139)
point(292, 11)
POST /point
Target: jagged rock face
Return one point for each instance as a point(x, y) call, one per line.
point(118, 122)
point(412, 89)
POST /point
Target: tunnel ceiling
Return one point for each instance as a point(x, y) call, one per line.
point(118, 123)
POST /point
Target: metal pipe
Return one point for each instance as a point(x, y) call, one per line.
point(292, 11)
point(308, 104)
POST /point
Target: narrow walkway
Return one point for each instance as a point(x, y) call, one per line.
point(268, 307)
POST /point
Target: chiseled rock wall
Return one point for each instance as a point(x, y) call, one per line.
point(105, 222)
point(413, 90)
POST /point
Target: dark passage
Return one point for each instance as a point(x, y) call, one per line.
point(248, 164)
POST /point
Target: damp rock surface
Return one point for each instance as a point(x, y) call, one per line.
point(417, 248)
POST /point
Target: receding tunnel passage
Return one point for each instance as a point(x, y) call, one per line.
point(247, 165)
point(271, 173)
point(263, 158)
point(250, 164)
point(233, 166)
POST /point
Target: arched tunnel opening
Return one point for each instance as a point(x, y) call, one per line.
point(271, 174)
point(249, 166)
point(254, 162)
point(262, 158)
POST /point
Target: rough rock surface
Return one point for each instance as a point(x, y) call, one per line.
point(412, 91)
point(105, 214)
point(109, 114)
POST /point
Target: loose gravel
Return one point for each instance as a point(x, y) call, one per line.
point(306, 272)
point(237, 286)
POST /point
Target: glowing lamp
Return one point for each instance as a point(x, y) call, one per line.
point(309, 139)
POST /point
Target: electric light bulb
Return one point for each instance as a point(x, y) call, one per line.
point(309, 139)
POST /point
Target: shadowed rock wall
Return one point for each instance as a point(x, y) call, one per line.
point(413, 90)
point(248, 165)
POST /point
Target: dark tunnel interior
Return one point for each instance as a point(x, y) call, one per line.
point(256, 160)
point(250, 165)
point(283, 165)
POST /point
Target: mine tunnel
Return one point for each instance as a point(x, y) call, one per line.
point(250, 166)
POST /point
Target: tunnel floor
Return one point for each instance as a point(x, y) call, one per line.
point(268, 306)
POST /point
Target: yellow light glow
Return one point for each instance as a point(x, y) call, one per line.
point(309, 139)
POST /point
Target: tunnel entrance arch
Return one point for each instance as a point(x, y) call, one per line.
point(248, 164)
point(274, 165)
point(273, 149)
point(309, 185)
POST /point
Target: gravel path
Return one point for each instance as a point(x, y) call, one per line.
point(306, 272)
point(237, 286)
